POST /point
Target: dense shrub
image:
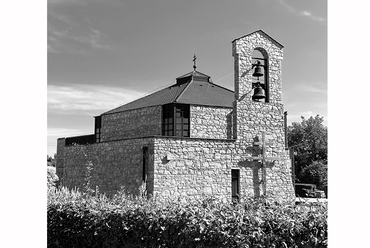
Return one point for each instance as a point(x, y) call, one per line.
point(78, 219)
point(316, 173)
point(52, 177)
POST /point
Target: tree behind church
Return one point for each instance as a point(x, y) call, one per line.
point(309, 139)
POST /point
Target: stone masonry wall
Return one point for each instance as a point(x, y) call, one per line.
point(114, 164)
point(177, 167)
point(210, 122)
point(187, 167)
point(132, 123)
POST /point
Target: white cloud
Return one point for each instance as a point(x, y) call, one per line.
point(66, 2)
point(304, 13)
point(64, 132)
point(87, 99)
point(94, 39)
point(52, 50)
point(310, 88)
point(287, 6)
point(61, 40)
point(79, 2)
point(307, 87)
point(53, 133)
point(312, 17)
point(60, 17)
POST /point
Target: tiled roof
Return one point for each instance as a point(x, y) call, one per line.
point(161, 97)
point(191, 88)
point(205, 93)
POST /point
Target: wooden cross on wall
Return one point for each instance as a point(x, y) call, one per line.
point(263, 160)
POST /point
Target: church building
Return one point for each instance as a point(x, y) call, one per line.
point(194, 137)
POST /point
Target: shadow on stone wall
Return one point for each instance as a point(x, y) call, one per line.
point(229, 125)
point(256, 167)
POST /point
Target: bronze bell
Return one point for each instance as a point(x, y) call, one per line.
point(259, 93)
point(258, 70)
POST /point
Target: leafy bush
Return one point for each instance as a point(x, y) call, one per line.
point(317, 173)
point(52, 177)
point(77, 219)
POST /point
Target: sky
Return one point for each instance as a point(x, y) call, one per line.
point(104, 53)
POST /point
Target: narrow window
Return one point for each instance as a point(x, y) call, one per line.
point(182, 120)
point(175, 121)
point(145, 163)
point(235, 185)
point(97, 129)
point(167, 120)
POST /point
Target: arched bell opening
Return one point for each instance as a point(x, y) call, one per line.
point(260, 83)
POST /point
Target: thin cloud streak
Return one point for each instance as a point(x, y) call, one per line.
point(93, 39)
point(64, 132)
point(79, 2)
point(82, 99)
point(304, 13)
point(52, 50)
point(308, 87)
point(60, 17)
point(65, 2)
point(62, 39)
point(312, 17)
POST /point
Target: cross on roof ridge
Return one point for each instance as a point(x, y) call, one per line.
point(194, 62)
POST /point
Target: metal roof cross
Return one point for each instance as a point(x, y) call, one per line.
point(194, 62)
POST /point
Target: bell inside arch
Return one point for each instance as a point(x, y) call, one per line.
point(258, 71)
point(258, 93)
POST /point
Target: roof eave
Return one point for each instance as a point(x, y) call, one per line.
point(264, 33)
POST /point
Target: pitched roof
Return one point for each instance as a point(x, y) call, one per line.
point(206, 93)
point(191, 88)
point(264, 34)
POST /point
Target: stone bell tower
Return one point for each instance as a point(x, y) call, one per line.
point(251, 116)
point(258, 109)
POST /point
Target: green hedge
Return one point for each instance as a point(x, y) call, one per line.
point(52, 177)
point(82, 220)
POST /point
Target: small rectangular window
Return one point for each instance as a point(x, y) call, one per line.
point(145, 163)
point(97, 129)
point(235, 178)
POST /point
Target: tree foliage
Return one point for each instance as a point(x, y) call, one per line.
point(309, 140)
point(51, 160)
point(52, 177)
point(316, 173)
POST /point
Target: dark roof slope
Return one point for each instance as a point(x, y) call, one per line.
point(161, 97)
point(191, 88)
point(206, 93)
